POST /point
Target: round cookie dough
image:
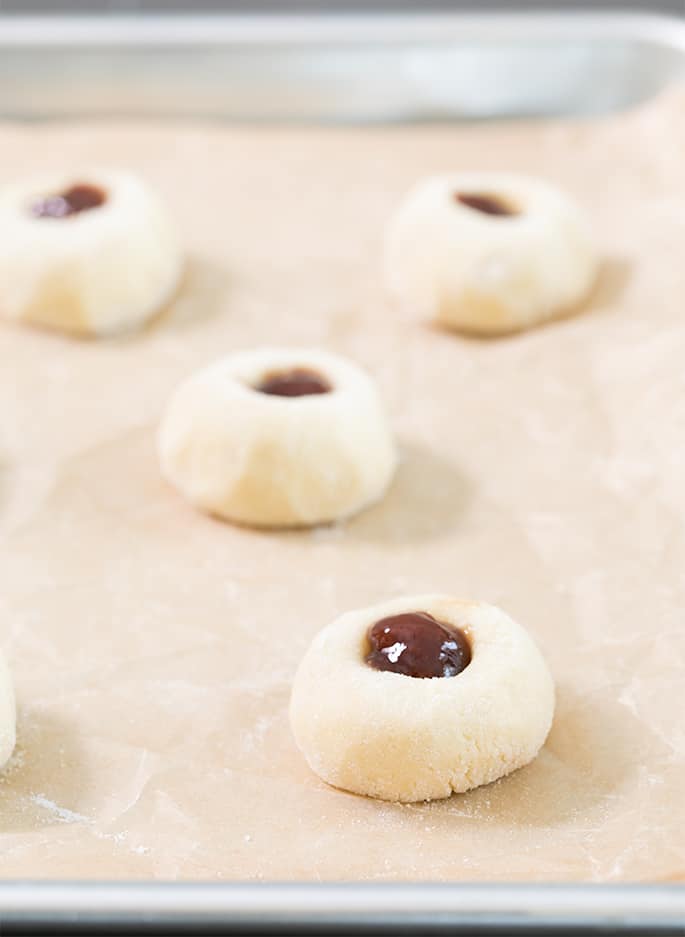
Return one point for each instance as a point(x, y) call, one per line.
point(278, 438)
point(91, 253)
point(408, 738)
point(489, 252)
point(8, 717)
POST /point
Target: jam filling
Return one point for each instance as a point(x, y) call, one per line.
point(298, 382)
point(73, 201)
point(487, 204)
point(417, 645)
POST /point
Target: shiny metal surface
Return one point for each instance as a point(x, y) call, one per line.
point(353, 68)
point(437, 908)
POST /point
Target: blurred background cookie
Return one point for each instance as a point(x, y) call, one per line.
point(488, 252)
point(278, 437)
point(8, 717)
point(90, 253)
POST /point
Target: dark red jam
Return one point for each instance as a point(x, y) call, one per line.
point(417, 645)
point(298, 382)
point(73, 201)
point(487, 204)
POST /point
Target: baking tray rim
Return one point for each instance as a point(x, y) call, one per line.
point(483, 905)
point(351, 28)
point(638, 55)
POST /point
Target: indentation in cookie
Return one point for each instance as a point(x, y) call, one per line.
point(417, 645)
point(488, 203)
point(295, 382)
point(73, 201)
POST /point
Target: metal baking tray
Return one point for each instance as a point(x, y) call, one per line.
point(335, 68)
point(374, 68)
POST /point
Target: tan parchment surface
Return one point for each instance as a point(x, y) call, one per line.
point(153, 648)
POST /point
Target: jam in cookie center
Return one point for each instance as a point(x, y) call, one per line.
point(417, 645)
point(297, 382)
point(74, 200)
point(487, 204)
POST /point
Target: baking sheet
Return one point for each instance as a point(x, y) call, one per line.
point(153, 648)
point(344, 66)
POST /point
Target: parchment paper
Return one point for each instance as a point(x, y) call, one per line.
point(153, 648)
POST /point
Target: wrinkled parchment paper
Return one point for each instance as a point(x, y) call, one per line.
point(153, 648)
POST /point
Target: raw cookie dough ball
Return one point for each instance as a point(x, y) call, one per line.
point(278, 437)
point(92, 253)
point(419, 697)
point(8, 717)
point(489, 253)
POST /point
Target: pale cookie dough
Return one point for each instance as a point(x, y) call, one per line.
point(278, 438)
point(8, 717)
point(489, 252)
point(90, 253)
point(408, 738)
